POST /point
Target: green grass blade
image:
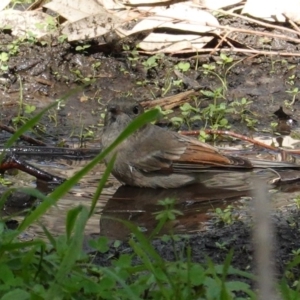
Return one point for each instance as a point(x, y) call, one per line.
point(75, 246)
point(101, 184)
point(71, 220)
point(125, 286)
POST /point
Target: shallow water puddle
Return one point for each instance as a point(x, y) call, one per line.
point(140, 204)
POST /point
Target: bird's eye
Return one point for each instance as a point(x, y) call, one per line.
point(136, 110)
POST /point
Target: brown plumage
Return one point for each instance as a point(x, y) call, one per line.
point(156, 157)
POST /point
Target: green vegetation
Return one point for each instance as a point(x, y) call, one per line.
point(217, 113)
point(293, 91)
point(59, 269)
point(226, 215)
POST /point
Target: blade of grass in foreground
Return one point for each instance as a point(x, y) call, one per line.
point(101, 184)
point(68, 184)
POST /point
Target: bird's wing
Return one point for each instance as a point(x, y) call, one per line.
point(180, 154)
point(199, 155)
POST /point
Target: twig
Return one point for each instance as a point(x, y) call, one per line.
point(243, 138)
point(232, 134)
point(261, 33)
point(293, 24)
point(264, 24)
point(251, 51)
point(223, 38)
point(169, 102)
point(23, 137)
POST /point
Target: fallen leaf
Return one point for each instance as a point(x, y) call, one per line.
point(4, 3)
point(73, 10)
point(22, 22)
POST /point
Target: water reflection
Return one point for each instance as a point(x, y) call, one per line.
point(139, 204)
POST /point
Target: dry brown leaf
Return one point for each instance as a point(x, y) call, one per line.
point(22, 22)
point(92, 26)
point(273, 10)
point(73, 10)
point(145, 2)
point(4, 3)
point(111, 4)
point(216, 4)
point(180, 16)
point(170, 43)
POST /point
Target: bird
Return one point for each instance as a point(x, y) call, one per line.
point(157, 157)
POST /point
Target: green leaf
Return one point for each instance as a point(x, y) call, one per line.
point(100, 244)
point(16, 294)
point(74, 248)
point(71, 220)
point(223, 122)
point(186, 107)
point(183, 66)
point(208, 94)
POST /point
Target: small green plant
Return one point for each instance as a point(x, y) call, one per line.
point(25, 112)
point(222, 246)
point(242, 109)
point(296, 252)
point(81, 78)
point(297, 201)
point(183, 66)
point(225, 216)
point(13, 48)
point(189, 114)
point(273, 126)
point(294, 92)
point(215, 94)
point(133, 55)
point(82, 48)
point(4, 57)
point(163, 112)
point(211, 69)
point(203, 136)
point(224, 60)
point(152, 61)
point(31, 37)
point(62, 38)
point(215, 115)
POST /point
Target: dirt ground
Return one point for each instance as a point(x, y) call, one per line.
point(45, 73)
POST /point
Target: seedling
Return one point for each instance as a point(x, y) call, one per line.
point(224, 60)
point(297, 201)
point(133, 55)
point(4, 57)
point(82, 48)
point(203, 136)
point(183, 66)
point(294, 92)
point(189, 114)
point(226, 215)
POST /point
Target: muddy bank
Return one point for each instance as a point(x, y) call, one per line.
point(216, 243)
